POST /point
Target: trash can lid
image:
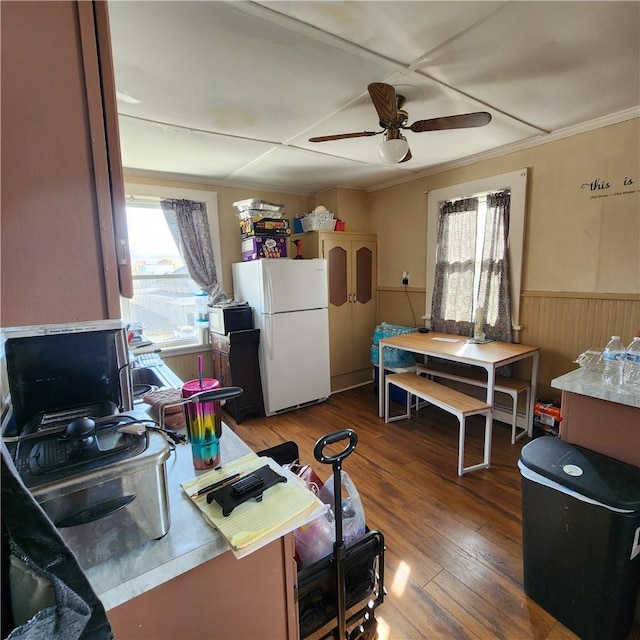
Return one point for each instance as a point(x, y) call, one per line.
point(591, 474)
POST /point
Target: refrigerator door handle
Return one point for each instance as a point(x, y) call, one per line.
point(268, 329)
point(268, 291)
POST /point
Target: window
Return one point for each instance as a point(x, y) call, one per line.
point(515, 183)
point(164, 300)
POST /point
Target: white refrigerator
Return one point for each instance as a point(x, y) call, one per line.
point(290, 307)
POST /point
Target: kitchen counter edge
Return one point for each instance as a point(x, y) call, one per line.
point(589, 383)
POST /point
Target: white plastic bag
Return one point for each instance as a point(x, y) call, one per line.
point(353, 522)
point(314, 540)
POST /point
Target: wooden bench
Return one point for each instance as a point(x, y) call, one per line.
point(450, 400)
point(475, 376)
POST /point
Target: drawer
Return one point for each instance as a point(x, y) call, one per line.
point(219, 342)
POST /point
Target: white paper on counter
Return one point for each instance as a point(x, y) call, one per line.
point(251, 525)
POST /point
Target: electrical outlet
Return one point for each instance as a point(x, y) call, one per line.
point(405, 278)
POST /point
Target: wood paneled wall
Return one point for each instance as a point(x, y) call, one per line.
point(185, 365)
point(397, 306)
point(566, 324)
point(562, 324)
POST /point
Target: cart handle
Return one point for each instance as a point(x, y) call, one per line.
point(318, 450)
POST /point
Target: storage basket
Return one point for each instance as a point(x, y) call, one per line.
point(320, 221)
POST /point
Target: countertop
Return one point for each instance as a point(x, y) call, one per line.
point(589, 383)
point(189, 542)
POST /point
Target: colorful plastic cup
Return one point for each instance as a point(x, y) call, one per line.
point(204, 424)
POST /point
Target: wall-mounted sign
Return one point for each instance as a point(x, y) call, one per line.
point(604, 188)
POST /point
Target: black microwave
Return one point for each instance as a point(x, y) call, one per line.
point(58, 368)
point(224, 319)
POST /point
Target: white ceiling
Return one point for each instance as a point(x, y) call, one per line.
point(229, 93)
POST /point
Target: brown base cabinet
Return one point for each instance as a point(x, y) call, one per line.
point(223, 598)
point(610, 428)
point(352, 272)
point(235, 363)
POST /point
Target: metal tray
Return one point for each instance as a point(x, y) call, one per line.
point(260, 205)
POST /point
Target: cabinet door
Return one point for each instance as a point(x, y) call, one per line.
point(58, 251)
point(352, 303)
point(220, 353)
point(338, 256)
point(112, 132)
point(217, 363)
point(363, 305)
point(245, 372)
point(222, 598)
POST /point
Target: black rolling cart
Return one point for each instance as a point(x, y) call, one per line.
point(348, 585)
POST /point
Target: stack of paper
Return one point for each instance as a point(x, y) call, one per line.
point(252, 524)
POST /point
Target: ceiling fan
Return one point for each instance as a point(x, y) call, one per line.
point(395, 148)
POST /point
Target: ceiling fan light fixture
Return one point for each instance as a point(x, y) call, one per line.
point(393, 150)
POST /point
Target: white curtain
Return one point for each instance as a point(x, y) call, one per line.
point(452, 301)
point(494, 293)
point(457, 268)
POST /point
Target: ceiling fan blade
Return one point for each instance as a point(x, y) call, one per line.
point(342, 136)
point(462, 121)
point(407, 157)
point(385, 102)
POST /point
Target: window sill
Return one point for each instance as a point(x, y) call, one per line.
point(182, 350)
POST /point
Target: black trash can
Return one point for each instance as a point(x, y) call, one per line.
point(581, 537)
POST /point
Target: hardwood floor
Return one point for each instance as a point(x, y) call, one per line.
point(453, 560)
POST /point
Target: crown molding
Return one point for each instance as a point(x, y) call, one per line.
point(560, 134)
point(209, 182)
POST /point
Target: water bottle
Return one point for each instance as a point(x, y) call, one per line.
point(613, 358)
point(631, 370)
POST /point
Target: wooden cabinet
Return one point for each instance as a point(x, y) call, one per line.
point(223, 598)
point(610, 428)
point(352, 271)
point(64, 250)
point(599, 417)
point(235, 363)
